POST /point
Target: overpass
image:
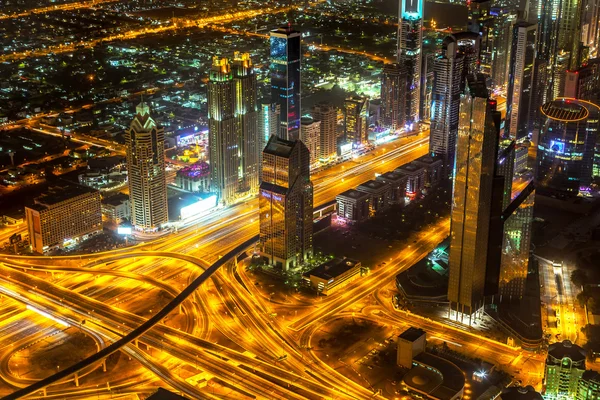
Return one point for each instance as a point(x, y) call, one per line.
point(137, 332)
point(325, 209)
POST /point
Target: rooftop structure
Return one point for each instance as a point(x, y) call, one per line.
point(333, 274)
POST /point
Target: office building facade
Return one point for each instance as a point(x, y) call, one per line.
point(63, 216)
point(565, 156)
point(286, 204)
point(285, 58)
point(393, 80)
point(326, 114)
point(310, 135)
point(448, 72)
point(268, 122)
point(233, 128)
point(356, 125)
point(565, 366)
point(472, 198)
point(409, 53)
point(145, 142)
point(519, 105)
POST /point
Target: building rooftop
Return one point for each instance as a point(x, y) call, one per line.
point(566, 349)
point(427, 159)
point(565, 110)
point(392, 176)
point(408, 168)
point(520, 393)
point(285, 30)
point(196, 170)
point(59, 193)
point(353, 194)
point(163, 394)
point(333, 268)
point(372, 184)
point(279, 147)
point(591, 375)
point(453, 380)
point(411, 334)
point(115, 200)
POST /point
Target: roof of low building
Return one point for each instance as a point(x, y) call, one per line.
point(333, 268)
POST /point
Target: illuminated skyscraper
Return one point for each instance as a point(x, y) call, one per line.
point(501, 34)
point(393, 81)
point(481, 21)
point(310, 133)
point(566, 147)
point(268, 124)
point(285, 79)
point(518, 220)
point(356, 114)
point(409, 53)
point(448, 72)
point(519, 104)
point(145, 142)
point(286, 203)
point(472, 200)
point(326, 113)
point(233, 128)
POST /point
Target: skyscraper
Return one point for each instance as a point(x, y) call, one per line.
point(268, 124)
point(566, 146)
point(285, 79)
point(233, 128)
point(356, 114)
point(501, 33)
point(448, 70)
point(409, 53)
point(286, 203)
point(472, 198)
point(481, 21)
point(310, 135)
point(393, 81)
point(326, 113)
point(519, 105)
point(145, 142)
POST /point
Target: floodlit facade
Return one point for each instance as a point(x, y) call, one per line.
point(356, 125)
point(310, 132)
point(64, 216)
point(566, 146)
point(286, 204)
point(268, 123)
point(326, 114)
point(471, 203)
point(565, 365)
point(145, 142)
point(233, 128)
point(409, 53)
point(285, 61)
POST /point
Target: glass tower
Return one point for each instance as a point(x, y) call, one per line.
point(285, 79)
point(409, 53)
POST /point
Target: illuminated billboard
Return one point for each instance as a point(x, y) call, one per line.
point(124, 230)
point(199, 207)
point(556, 146)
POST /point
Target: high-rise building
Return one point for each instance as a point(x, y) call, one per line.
point(469, 45)
point(565, 155)
point(234, 139)
point(145, 142)
point(448, 70)
point(427, 78)
point(356, 114)
point(477, 144)
point(268, 122)
point(285, 79)
point(501, 33)
point(481, 22)
point(326, 113)
point(63, 216)
point(565, 365)
point(393, 81)
point(520, 82)
point(590, 27)
point(518, 220)
point(310, 135)
point(409, 53)
point(286, 203)
point(584, 83)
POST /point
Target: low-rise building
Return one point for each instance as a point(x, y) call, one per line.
point(520, 393)
point(397, 182)
point(116, 208)
point(411, 342)
point(380, 193)
point(434, 169)
point(194, 178)
point(353, 205)
point(333, 275)
point(565, 365)
point(415, 177)
point(63, 216)
point(589, 386)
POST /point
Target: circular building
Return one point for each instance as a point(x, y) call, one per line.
point(566, 146)
point(520, 393)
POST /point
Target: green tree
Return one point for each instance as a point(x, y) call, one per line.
point(579, 277)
